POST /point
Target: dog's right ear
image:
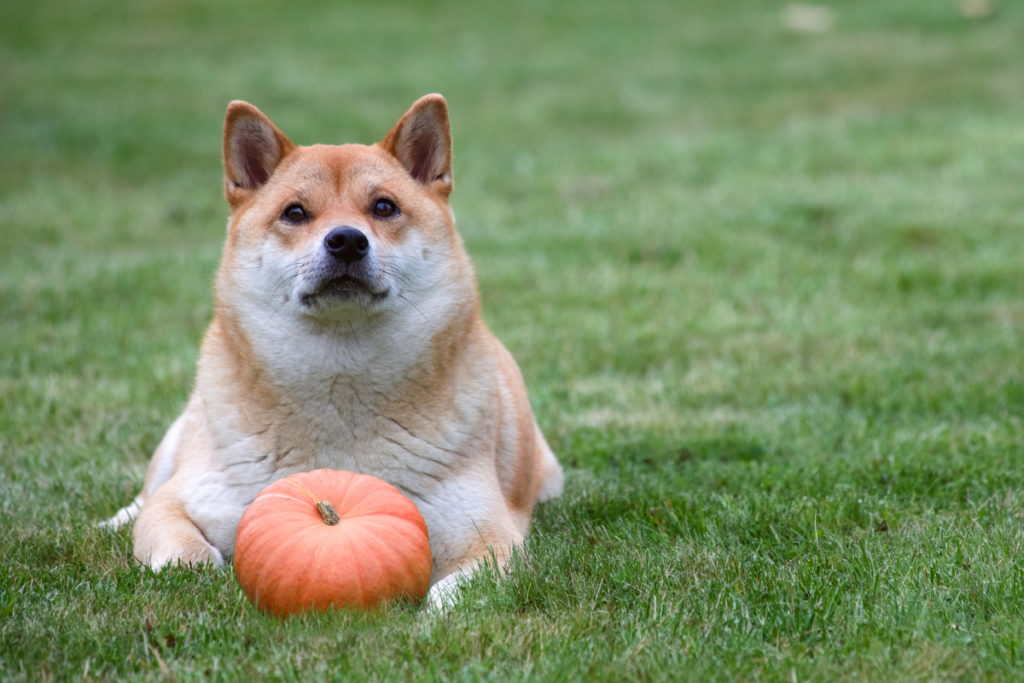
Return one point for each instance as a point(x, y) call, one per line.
point(253, 147)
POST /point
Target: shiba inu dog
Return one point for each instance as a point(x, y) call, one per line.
point(347, 335)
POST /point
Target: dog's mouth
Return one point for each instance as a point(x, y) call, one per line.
point(343, 288)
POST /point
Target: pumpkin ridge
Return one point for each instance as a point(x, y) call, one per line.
point(306, 592)
point(267, 581)
point(289, 500)
point(350, 506)
point(408, 552)
point(406, 534)
point(380, 569)
point(387, 522)
point(362, 490)
point(352, 558)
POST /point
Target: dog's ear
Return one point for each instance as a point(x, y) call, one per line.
point(253, 147)
point(422, 142)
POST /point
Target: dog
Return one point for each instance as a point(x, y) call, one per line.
point(347, 335)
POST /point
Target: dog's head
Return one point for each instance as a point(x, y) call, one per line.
point(329, 232)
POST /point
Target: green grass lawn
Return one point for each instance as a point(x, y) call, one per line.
point(766, 289)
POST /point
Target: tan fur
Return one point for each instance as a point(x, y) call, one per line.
point(400, 380)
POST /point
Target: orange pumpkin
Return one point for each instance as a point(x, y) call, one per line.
point(327, 537)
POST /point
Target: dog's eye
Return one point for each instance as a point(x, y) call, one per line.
point(384, 208)
point(294, 214)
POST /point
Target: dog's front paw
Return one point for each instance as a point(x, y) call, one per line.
point(443, 595)
point(193, 552)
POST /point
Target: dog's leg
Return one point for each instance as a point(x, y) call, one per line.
point(164, 533)
point(445, 593)
point(493, 547)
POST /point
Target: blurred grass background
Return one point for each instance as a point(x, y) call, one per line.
point(764, 286)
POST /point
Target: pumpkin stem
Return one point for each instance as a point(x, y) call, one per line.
point(328, 513)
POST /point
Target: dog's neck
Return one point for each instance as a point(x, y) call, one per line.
point(265, 359)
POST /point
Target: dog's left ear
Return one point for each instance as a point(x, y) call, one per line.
point(422, 142)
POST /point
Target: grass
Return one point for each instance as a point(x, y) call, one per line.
point(765, 289)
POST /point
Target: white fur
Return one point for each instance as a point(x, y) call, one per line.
point(443, 595)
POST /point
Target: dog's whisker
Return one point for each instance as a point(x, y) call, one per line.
point(420, 310)
point(264, 328)
point(245, 266)
point(355, 336)
point(438, 253)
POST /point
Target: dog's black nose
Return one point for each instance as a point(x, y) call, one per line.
point(347, 244)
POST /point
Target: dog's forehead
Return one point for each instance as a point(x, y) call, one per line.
point(319, 168)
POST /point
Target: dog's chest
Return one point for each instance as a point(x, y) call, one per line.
point(411, 441)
